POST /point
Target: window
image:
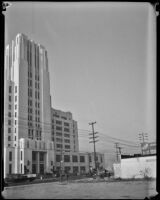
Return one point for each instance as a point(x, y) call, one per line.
point(15, 130)
point(9, 122)
point(10, 156)
point(15, 114)
point(15, 107)
point(15, 122)
point(58, 122)
point(74, 158)
point(82, 169)
point(58, 134)
point(59, 145)
point(66, 129)
point(41, 156)
point(34, 156)
point(9, 114)
point(66, 158)
point(67, 169)
point(10, 89)
point(21, 168)
point(55, 115)
point(9, 107)
point(58, 128)
point(58, 158)
point(21, 155)
point(82, 159)
point(75, 169)
point(15, 138)
point(9, 130)
point(66, 135)
point(15, 89)
point(66, 124)
point(9, 138)
point(9, 98)
point(64, 118)
point(58, 140)
point(67, 146)
point(67, 141)
point(51, 162)
point(30, 91)
point(10, 168)
point(15, 98)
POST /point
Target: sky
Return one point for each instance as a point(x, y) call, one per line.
point(102, 64)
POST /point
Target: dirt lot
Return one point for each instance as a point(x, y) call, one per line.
point(83, 190)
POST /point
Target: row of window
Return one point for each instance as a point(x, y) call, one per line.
point(60, 134)
point(10, 89)
point(9, 122)
point(67, 158)
point(59, 128)
point(10, 98)
point(61, 146)
point(62, 117)
point(10, 139)
point(60, 140)
point(37, 94)
point(60, 123)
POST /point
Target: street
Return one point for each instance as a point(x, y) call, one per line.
point(83, 190)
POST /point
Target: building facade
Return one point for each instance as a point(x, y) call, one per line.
point(37, 138)
point(64, 131)
point(65, 137)
point(27, 107)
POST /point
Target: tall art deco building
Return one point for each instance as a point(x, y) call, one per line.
point(27, 109)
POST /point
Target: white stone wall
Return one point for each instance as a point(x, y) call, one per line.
point(139, 167)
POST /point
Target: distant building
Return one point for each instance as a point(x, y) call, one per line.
point(64, 131)
point(37, 138)
point(65, 137)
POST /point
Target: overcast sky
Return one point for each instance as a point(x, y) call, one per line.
point(101, 62)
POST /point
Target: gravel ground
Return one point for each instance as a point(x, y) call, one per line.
point(83, 190)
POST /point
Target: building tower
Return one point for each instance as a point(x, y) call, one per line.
point(27, 110)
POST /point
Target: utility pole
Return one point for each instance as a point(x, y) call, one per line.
point(143, 137)
point(94, 141)
point(117, 147)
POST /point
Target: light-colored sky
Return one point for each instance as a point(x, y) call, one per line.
point(101, 61)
